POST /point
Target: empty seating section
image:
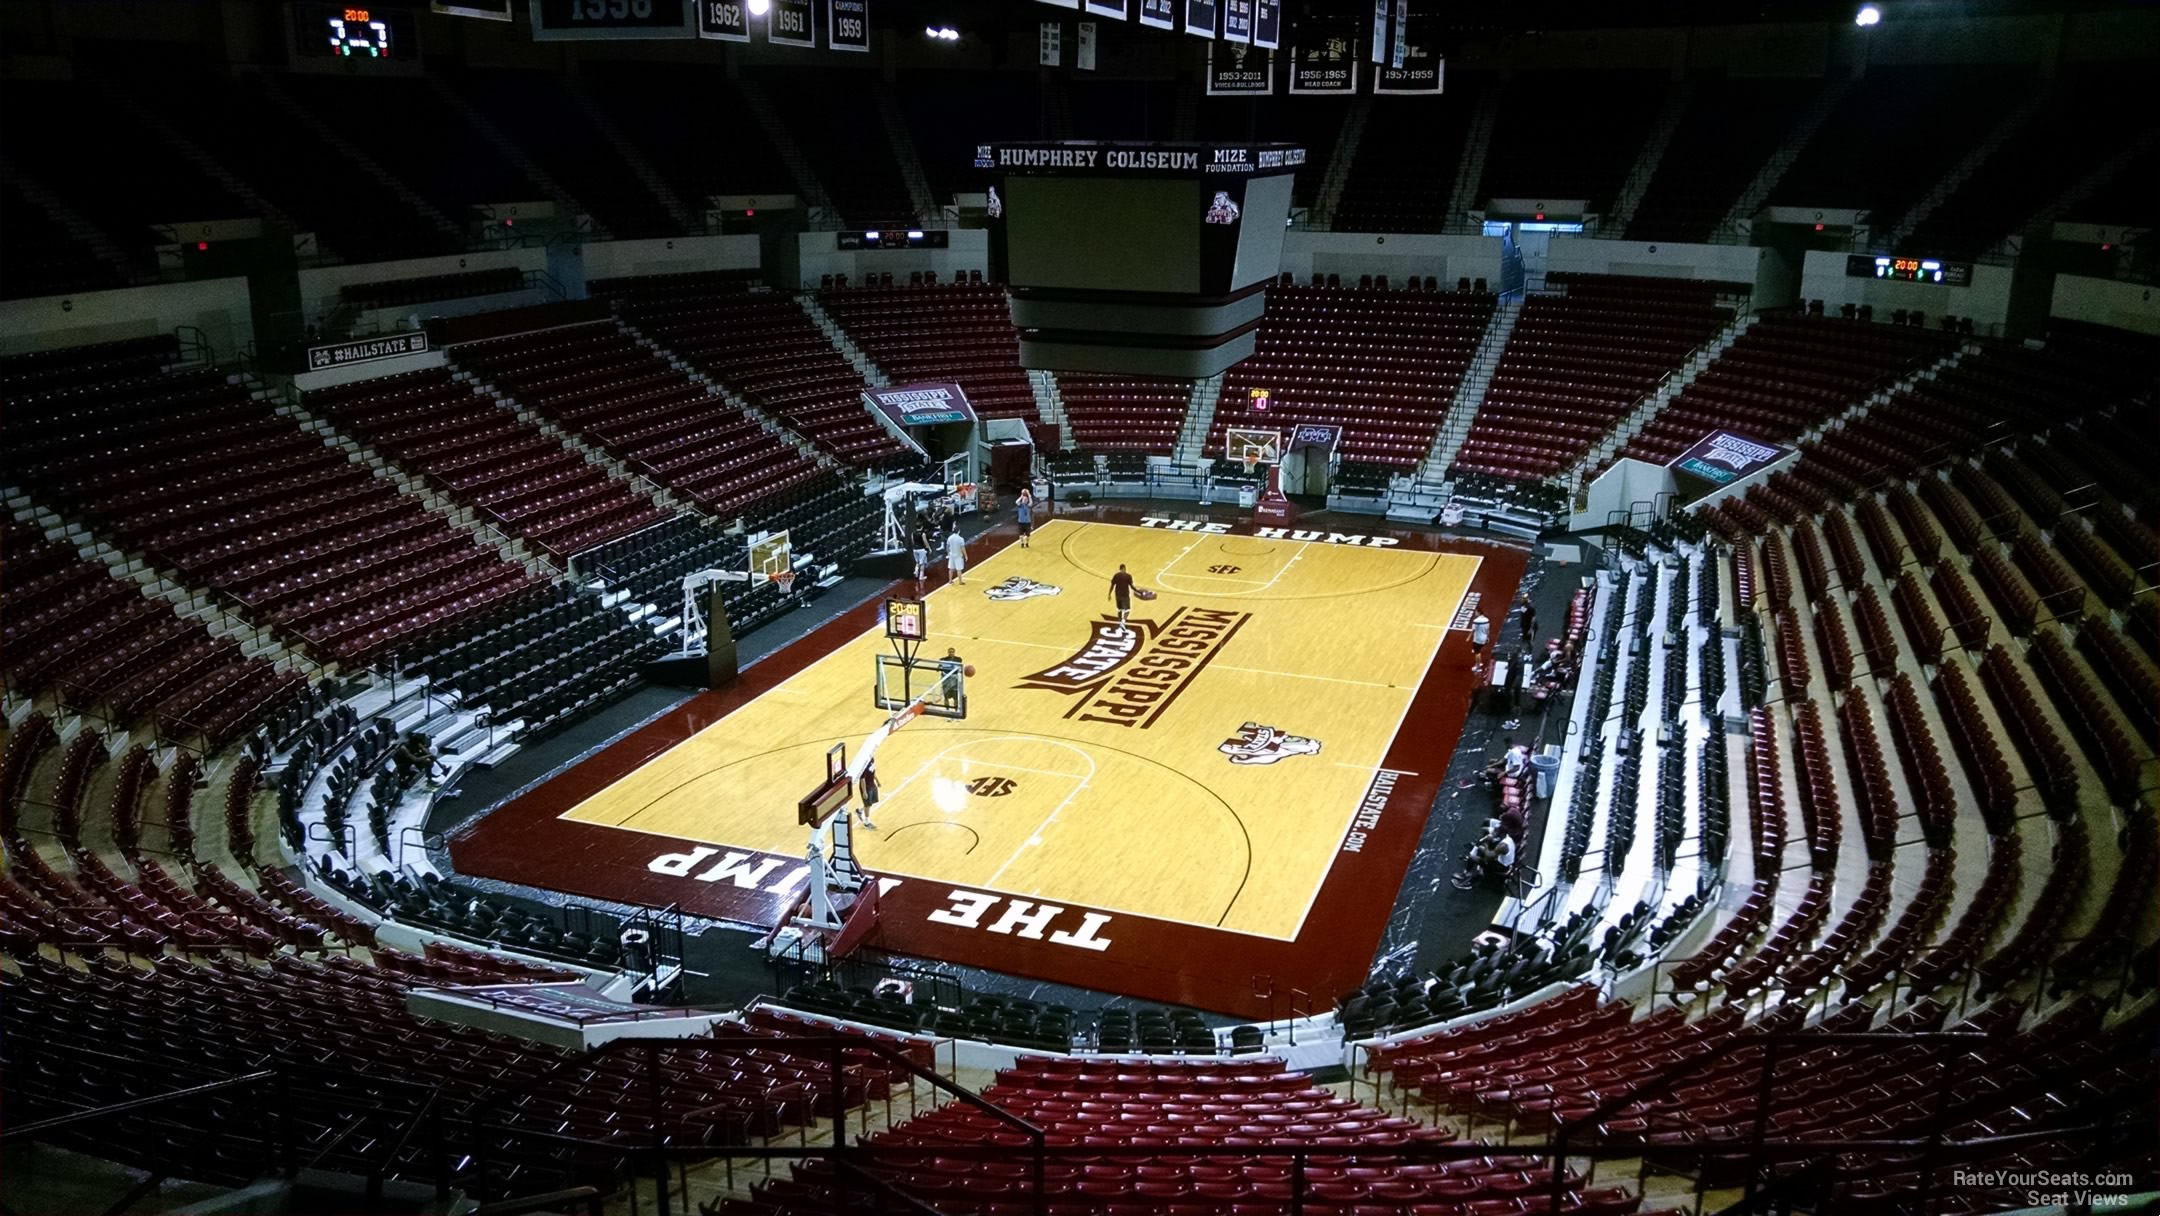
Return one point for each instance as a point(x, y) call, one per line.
point(1109, 414)
point(1405, 165)
point(205, 478)
point(1382, 365)
point(1570, 135)
point(455, 169)
point(1729, 129)
point(44, 259)
point(2087, 115)
point(834, 119)
point(100, 643)
point(125, 196)
point(1576, 363)
point(547, 117)
point(1081, 1104)
point(763, 346)
point(646, 101)
point(397, 293)
point(1855, 159)
point(1783, 374)
point(519, 478)
point(960, 333)
point(598, 382)
point(251, 127)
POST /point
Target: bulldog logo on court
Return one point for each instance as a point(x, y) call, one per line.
point(1257, 744)
point(1129, 677)
point(1017, 588)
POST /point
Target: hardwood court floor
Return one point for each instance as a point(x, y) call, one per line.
point(1091, 769)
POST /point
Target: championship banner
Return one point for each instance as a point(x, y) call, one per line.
point(1084, 48)
point(1315, 435)
point(1201, 17)
point(1050, 50)
point(1323, 60)
point(1162, 14)
point(1422, 72)
point(847, 24)
point(1722, 457)
point(1267, 24)
point(1062, 3)
point(723, 21)
point(1383, 37)
point(1109, 8)
point(921, 404)
point(790, 24)
point(1236, 70)
point(1237, 20)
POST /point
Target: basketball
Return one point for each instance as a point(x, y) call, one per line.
point(1143, 593)
point(968, 670)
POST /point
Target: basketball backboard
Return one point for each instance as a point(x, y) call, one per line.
point(941, 685)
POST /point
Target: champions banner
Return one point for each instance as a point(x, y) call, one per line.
point(1235, 70)
point(723, 21)
point(1202, 17)
point(1323, 59)
point(847, 24)
point(790, 25)
point(1722, 457)
point(1267, 24)
point(1162, 14)
point(1422, 71)
point(921, 404)
point(1237, 20)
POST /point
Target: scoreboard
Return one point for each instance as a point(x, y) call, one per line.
point(1910, 270)
point(564, 20)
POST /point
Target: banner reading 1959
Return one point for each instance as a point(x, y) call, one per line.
point(847, 24)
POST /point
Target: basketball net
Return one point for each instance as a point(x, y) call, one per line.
point(785, 580)
point(1252, 463)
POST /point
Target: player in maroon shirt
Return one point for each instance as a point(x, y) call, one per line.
point(1121, 589)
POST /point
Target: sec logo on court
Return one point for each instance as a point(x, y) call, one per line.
point(992, 787)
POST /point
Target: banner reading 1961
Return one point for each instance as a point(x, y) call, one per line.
point(789, 24)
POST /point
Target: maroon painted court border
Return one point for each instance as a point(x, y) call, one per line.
point(525, 840)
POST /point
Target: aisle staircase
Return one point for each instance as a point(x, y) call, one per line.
point(857, 358)
point(1646, 409)
point(1199, 420)
point(1951, 182)
point(920, 196)
point(1329, 195)
point(1470, 171)
point(1766, 178)
point(68, 220)
point(692, 220)
point(1470, 394)
point(807, 185)
point(335, 143)
point(1648, 160)
point(1050, 405)
point(509, 150)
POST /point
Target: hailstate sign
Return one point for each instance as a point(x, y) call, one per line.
point(921, 404)
point(1722, 457)
point(367, 350)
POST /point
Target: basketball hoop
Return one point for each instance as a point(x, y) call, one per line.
point(785, 580)
point(1252, 464)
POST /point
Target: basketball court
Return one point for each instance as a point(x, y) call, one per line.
point(1217, 769)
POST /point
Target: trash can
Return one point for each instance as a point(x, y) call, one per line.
point(1547, 769)
point(1480, 630)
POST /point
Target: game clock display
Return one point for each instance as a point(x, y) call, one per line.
point(350, 31)
point(906, 620)
point(560, 20)
point(1910, 270)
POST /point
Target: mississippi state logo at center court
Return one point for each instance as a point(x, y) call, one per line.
point(1257, 744)
point(1017, 588)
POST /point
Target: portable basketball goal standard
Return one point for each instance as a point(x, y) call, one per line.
point(1260, 451)
point(772, 560)
point(835, 901)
